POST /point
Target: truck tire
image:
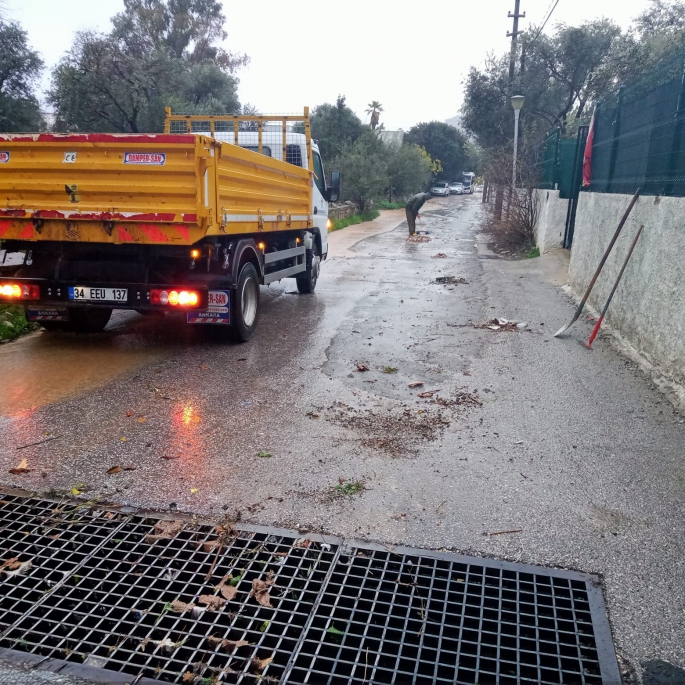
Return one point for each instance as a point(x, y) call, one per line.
point(81, 320)
point(245, 304)
point(306, 283)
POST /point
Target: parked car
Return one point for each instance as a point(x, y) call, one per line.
point(440, 188)
point(456, 188)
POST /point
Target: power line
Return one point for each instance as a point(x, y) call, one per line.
point(544, 23)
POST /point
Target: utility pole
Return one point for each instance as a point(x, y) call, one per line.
point(514, 34)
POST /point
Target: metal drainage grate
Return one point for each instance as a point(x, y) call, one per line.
point(99, 593)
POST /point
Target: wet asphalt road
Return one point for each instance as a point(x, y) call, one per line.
point(576, 449)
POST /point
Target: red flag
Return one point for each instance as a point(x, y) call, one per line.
point(587, 155)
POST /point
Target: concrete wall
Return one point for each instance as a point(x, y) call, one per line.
point(649, 306)
point(551, 223)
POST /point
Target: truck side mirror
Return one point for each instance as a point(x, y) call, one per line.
point(334, 188)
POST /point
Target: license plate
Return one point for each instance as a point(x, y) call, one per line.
point(87, 293)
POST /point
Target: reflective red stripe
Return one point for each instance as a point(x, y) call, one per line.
point(154, 233)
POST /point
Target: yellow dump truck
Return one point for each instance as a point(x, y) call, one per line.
point(194, 219)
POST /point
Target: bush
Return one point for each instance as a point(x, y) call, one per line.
point(369, 215)
point(384, 204)
point(13, 322)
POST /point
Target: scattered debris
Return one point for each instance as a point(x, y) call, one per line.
point(22, 468)
point(212, 602)
point(389, 369)
point(312, 415)
point(505, 532)
point(260, 590)
point(361, 367)
point(14, 567)
point(179, 607)
point(165, 530)
point(260, 664)
point(226, 588)
point(440, 506)
point(336, 634)
point(264, 455)
point(114, 469)
point(440, 255)
point(416, 384)
point(78, 489)
point(142, 419)
point(40, 442)
point(227, 645)
point(451, 280)
point(418, 239)
point(351, 488)
point(426, 394)
point(502, 325)
point(129, 414)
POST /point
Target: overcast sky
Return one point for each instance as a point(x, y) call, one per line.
point(410, 56)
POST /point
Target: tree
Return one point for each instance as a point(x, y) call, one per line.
point(19, 69)
point(408, 170)
point(375, 109)
point(335, 127)
point(158, 54)
point(442, 142)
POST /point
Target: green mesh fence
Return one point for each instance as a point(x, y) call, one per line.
point(555, 166)
point(639, 139)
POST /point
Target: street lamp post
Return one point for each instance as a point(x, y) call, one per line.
point(517, 104)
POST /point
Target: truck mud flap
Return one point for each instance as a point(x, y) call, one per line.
point(218, 311)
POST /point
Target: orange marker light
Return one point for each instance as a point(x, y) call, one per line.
point(261, 246)
point(195, 254)
point(173, 298)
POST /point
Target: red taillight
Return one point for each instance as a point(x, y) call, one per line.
point(175, 298)
point(18, 291)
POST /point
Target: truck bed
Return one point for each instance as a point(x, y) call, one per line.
point(155, 189)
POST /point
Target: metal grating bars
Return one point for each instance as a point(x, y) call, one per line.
point(100, 592)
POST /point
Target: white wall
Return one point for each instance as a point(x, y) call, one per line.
point(649, 306)
point(551, 223)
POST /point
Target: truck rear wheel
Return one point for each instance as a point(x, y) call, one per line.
point(81, 320)
point(306, 283)
point(246, 304)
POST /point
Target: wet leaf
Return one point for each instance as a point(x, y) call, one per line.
point(234, 581)
point(114, 469)
point(336, 634)
point(10, 564)
point(416, 384)
point(179, 607)
point(425, 394)
point(188, 677)
point(361, 367)
point(227, 590)
point(129, 468)
point(312, 415)
point(142, 419)
point(260, 591)
point(122, 439)
point(21, 570)
point(129, 414)
point(78, 489)
point(193, 491)
point(264, 455)
point(164, 530)
point(260, 664)
point(210, 546)
point(212, 602)
point(22, 468)
point(227, 645)
point(264, 627)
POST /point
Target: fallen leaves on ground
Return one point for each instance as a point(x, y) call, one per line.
point(142, 419)
point(429, 393)
point(114, 469)
point(312, 415)
point(77, 489)
point(227, 645)
point(129, 414)
point(503, 325)
point(264, 454)
point(21, 570)
point(389, 369)
point(22, 468)
point(260, 664)
point(440, 255)
point(418, 239)
point(451, 280)
point(227, 590)
point(416, 384)
point(260, 590)
point(193, 490)
point(361, 367)
point(165, 530)
point(212, 602)
point(179, 607)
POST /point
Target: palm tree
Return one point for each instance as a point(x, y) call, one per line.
point(375, 109)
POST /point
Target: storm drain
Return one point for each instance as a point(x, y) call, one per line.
point(100, 592)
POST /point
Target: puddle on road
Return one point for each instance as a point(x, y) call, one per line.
point(47, 367)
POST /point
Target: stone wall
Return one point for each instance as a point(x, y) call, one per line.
point(649, 306)
point(341, 211)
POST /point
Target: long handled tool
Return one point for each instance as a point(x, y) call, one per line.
point(581, 306)
point(595, 330)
